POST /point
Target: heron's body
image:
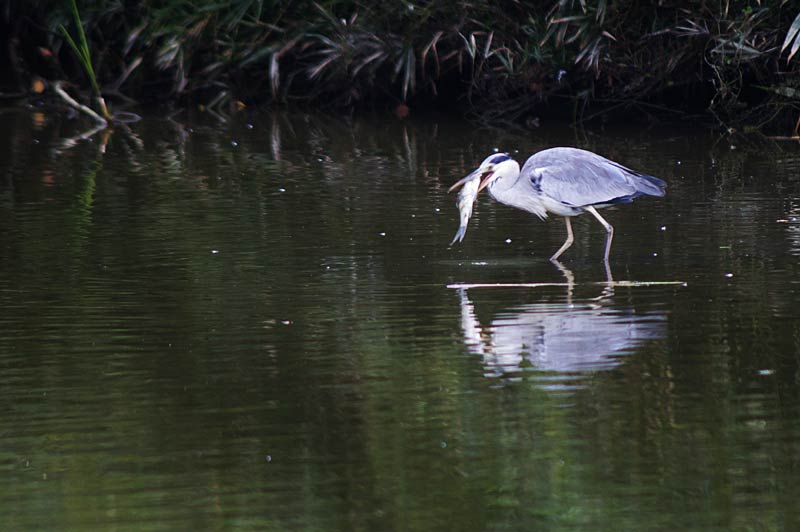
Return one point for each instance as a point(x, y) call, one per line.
point(562, 181)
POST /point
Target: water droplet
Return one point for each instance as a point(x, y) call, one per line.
point(281, 189)
point(286, 322)
point(214, 251)
point(443, 444)
point(729, 275)
point(234, 143)
point(269, 458)
point(249, 126)
point(663, 227)
point(766, 371)
point(655, 254)
point(508, 240)
point(382, 234)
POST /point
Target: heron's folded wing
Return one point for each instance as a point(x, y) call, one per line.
point(589, 182)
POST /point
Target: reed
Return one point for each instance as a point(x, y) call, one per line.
point(82, 53)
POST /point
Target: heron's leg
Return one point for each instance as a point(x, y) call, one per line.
point(609, 230)
point(567, 243)
point(609, 277)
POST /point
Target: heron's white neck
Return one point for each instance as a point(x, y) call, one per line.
point(508, 188)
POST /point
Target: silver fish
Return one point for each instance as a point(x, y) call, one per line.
point(466, 198)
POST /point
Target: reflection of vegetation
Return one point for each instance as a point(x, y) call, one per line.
point(512, 60)
point(310, 375)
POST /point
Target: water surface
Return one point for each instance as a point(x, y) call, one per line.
point(246, 323)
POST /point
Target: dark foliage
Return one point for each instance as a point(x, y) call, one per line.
point(507, 61)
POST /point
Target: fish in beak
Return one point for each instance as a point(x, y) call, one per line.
point(473, 184)
point(461, 182)
point(484, 173)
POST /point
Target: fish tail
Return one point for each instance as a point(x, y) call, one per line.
point(462, 230)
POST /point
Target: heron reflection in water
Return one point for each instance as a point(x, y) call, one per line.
point(564, 337)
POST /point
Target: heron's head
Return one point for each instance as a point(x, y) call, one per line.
point(494, 167)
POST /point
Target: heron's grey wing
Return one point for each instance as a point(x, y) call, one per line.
point(578, 178)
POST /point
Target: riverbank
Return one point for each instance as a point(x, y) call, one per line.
point(501, 63)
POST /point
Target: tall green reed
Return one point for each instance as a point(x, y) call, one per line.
point(81, 51)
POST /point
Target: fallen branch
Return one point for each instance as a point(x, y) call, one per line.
point(79, 106)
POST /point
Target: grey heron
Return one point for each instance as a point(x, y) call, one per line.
point(562, 181)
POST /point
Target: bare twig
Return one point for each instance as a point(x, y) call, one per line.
point(79, 106)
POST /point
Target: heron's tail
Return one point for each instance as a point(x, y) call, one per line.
point(652, 186)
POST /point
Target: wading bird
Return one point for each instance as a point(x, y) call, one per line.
point(562, 181)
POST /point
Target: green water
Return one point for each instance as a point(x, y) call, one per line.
point(246, 324)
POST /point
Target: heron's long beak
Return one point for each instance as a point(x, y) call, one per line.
point(461, 182)
point(484, 173)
